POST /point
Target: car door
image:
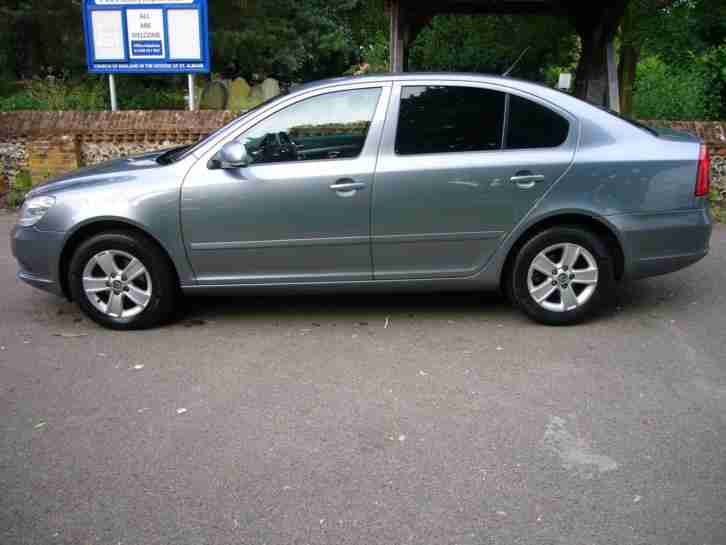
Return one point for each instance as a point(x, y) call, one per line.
point(300, 211)
point(457, 171)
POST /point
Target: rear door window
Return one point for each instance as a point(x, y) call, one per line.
point(449, 119)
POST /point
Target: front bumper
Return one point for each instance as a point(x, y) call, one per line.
point(38, 255)
point(661, 243)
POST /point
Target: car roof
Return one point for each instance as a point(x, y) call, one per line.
point(554, 96)
point(403, 76)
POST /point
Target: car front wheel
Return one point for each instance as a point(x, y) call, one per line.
point(563, 275)
point(122, 280)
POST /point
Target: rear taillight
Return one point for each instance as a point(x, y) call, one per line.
point(703, 180)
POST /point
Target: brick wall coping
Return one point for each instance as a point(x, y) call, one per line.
point(137, 125)
point(26, 124)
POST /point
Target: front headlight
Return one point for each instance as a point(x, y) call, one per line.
point(34, 209)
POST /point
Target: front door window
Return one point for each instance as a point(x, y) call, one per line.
point(330, 126)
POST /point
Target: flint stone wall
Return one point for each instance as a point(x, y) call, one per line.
point(48, 144)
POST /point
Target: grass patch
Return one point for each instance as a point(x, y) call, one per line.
point(22, 184)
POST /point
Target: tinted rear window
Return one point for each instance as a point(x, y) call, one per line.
point(449, 119)
point(534, 126)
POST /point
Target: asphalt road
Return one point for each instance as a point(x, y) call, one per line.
point(307, 420)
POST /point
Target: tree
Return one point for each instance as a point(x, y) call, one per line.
point(596, 23)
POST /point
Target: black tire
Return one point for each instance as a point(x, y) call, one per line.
point(604, 290)
point(164, 291)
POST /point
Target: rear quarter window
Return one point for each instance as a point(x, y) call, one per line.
point(531, 125)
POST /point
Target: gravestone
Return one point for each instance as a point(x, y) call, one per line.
point(214, 96)
point(264, 91)
point(239, 95)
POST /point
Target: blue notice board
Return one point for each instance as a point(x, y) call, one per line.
point(146, 36)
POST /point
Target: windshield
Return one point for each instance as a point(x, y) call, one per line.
point(172, 155)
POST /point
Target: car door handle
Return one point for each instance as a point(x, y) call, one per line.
point(347, 186)
point(526, 180)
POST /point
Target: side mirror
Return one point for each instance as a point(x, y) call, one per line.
point(232, 155)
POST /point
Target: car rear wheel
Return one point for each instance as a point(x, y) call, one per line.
point(122, 280)
point(563, 275)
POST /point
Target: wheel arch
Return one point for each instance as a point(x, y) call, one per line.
point(573, 219)
point(92, 228)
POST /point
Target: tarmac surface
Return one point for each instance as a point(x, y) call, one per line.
point(397, 419)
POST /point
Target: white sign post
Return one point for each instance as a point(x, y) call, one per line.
point(190, 82)
point(112, 89)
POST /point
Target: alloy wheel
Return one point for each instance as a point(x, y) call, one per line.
point(562, 277)
point(117, 284)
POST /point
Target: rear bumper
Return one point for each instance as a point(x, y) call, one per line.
point(38, 255)
point(660, 243)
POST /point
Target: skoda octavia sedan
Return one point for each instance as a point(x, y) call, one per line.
point(415, 181)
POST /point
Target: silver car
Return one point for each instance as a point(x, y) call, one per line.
point(414, 181)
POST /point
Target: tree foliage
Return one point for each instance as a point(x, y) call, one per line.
point(287, 39)
point(39, 33)
point(672, 52)
point(490, 44)
point(680, 49)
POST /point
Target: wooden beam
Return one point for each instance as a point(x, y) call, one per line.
point(484, 7)
point(597, 24)
point(395, 43)
point(613, 85)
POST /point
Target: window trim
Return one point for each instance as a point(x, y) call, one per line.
point(505, 125)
